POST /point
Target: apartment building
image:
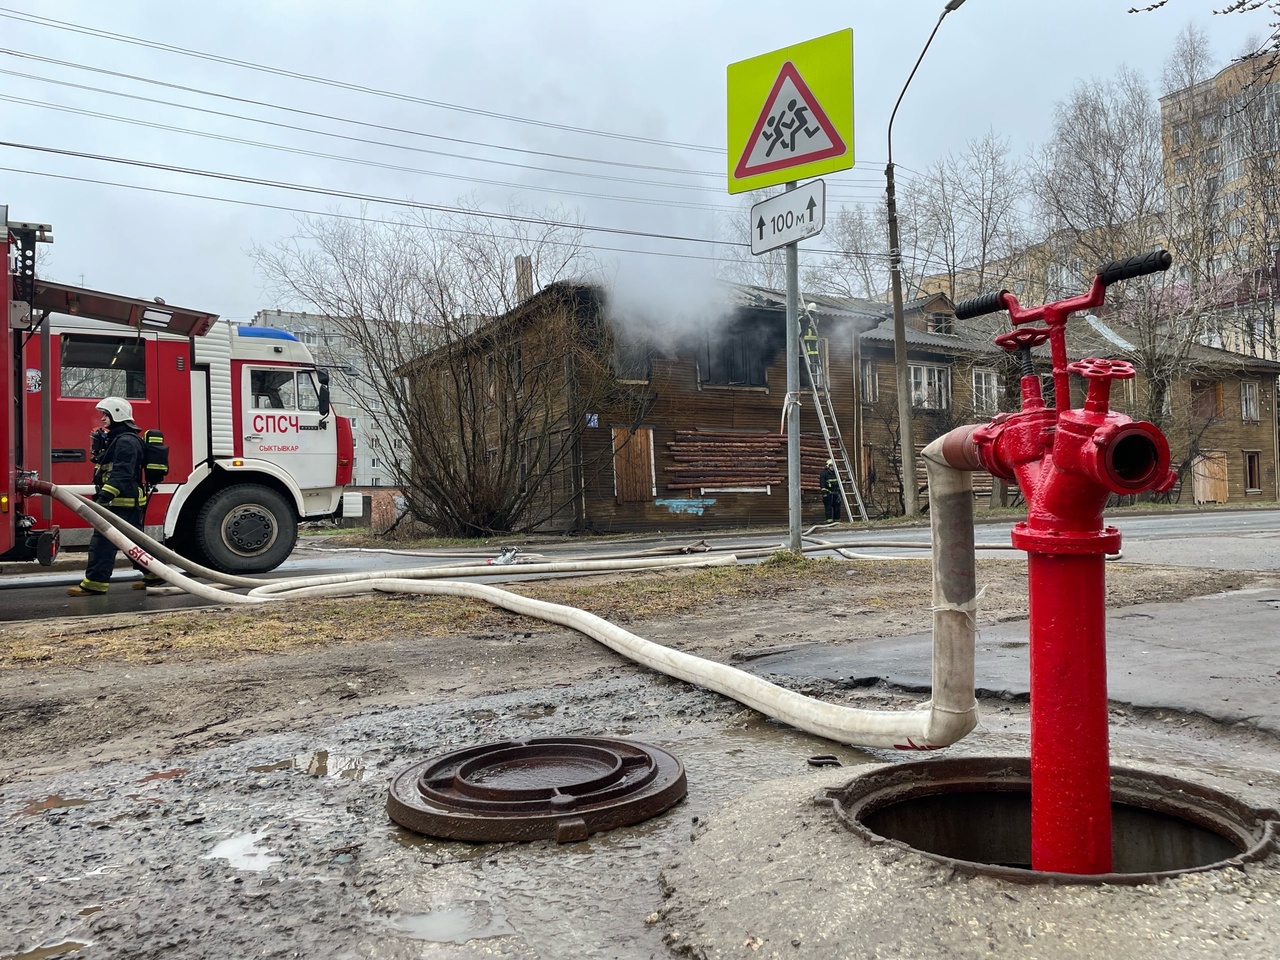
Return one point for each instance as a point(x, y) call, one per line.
point(1221, 141)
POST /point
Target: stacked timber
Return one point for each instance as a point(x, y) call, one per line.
point(707, 460)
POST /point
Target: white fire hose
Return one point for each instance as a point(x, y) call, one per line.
point(947, 716)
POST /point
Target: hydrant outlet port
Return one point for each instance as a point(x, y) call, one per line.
point(974, 815)
point(1132, 455)
point(1133, 460)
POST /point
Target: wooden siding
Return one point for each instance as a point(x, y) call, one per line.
point(718, 453)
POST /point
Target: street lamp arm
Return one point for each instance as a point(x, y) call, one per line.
point(949, 7)
point(906, 438)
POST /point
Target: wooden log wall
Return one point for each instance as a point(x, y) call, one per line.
point(701, 459)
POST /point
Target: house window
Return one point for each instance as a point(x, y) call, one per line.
point(374, 464)
point(930, 387)
point(515, 366)
point(375, 481)
point(633, 465)
point(869, 371)
point(986, 391)
point(1249, 401)
point(1206, 400)
point(1252, 471)
point(941, 323)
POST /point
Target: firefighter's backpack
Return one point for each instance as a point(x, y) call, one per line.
point(155, 463)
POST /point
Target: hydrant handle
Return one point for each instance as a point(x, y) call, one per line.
point(1138, 266)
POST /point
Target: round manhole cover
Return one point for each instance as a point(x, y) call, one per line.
point(548, 788)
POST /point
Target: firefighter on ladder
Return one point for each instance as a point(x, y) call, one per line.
point(812, 349)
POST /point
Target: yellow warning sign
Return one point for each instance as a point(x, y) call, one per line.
point(791, 113)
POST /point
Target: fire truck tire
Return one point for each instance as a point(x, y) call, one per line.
point(247, 528)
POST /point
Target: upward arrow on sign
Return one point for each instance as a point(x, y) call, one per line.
point(792, 129)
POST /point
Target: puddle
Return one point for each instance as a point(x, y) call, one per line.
point(54, 802)
point(456, 923)
point(52, 950)
point(537, 711)
point(165, 774)
point(240, 853)
point(90, 910)
point(321, 764)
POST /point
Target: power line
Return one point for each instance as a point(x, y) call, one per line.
point(225, 138)
point(360, 123)
point(325, 191)
point(333, 214)
point(52, 61)
point(340, 84)
point(732, 244)
point(52, 23)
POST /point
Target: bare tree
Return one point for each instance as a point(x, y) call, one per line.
point(480, 443)
point(1101, 187)
point(1099, 183)
point(858, 265)
point(1266, 48)
point(973, 207)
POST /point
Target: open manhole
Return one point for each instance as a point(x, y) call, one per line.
point(548, 788)
point(974, 814)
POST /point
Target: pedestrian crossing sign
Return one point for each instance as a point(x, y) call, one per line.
point(791, 113)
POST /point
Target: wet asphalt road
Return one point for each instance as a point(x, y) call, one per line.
point(279, 846)
point(1244, 540)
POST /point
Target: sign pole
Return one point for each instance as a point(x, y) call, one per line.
point(790, 118)
point(793, 392)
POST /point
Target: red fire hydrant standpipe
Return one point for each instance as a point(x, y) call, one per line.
point(1067, 462)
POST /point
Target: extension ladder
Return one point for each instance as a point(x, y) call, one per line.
point(831, 433)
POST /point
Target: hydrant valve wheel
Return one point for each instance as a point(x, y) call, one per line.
point(1023, 337)
point(1096, 368)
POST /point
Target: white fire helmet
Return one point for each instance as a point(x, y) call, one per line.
point(120, 411)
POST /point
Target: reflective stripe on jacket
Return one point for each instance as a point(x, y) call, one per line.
point(120, 472)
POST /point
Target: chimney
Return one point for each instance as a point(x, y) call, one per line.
point(524, 278)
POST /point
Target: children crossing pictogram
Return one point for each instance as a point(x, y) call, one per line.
point(791, 130)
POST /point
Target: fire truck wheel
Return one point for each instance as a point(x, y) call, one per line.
point(246, 529)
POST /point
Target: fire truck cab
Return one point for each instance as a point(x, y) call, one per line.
point(254, 444)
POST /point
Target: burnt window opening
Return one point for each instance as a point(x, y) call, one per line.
point(733, 358)
point(632, 361)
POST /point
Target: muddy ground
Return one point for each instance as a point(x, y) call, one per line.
point(212, 783)
point(82, 690)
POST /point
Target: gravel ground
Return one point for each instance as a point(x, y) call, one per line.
point(196, 802)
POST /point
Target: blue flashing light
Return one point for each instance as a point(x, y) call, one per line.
point(265, 333)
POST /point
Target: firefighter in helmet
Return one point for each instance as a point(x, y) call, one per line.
point(118, 455)
point(829, 484)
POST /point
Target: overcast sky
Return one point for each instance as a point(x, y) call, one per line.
point(652, 71)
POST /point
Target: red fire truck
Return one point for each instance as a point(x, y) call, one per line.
point(254, 446)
